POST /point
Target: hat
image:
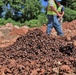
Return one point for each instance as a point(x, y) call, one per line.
point(58, 0)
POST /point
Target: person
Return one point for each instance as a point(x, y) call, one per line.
point(61, 11)
point(52, 14)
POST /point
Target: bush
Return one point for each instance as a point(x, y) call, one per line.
point(42, 18)
point(2, 21)
point(69, 14)
point(33, 23)
point(9, 20)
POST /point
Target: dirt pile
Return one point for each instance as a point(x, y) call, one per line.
point(69, 28)
point(9, 32)
point(35, 53)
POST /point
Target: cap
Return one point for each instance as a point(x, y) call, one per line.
point(58, 0)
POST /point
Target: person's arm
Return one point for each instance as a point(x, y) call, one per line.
point(51, 3)
point(62, 11)
point(55, 10)
point(62, 14)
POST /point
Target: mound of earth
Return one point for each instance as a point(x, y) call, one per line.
point(36, 53)
point(9, 33)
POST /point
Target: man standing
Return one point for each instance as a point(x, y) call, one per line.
point(60, 9)
point(52, 14)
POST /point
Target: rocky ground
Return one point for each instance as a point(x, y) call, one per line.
point(29, 51)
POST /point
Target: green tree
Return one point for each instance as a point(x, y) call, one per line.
point(69, 14)
point(70, 4)
point(30, 8)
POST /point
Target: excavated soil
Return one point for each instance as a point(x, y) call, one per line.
point(36, 53)
point(25, 51)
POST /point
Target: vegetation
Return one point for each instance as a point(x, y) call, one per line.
point(70, 10)
point(21, 11)
point(69, 14)
point(70, 4)
point(28, 12)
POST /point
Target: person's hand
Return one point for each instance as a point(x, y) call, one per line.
point(61, 18)
point(58, 14)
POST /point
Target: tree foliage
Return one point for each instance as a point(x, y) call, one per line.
point(29, 8)
point(69, 14)
point(70, 4)
point(29, 11)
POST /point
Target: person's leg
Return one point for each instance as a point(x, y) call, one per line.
point(57, 26)
point(60, 21)
point(49, 24)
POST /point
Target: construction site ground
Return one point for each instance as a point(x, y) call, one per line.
point(30, 51)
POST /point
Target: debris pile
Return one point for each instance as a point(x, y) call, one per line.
point(36, 53)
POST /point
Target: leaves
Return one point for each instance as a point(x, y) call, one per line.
point(70, 3)
point(69, 14)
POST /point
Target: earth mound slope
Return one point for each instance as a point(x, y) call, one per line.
point(36, 53)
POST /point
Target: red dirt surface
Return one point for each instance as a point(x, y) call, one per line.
point(26, 51)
